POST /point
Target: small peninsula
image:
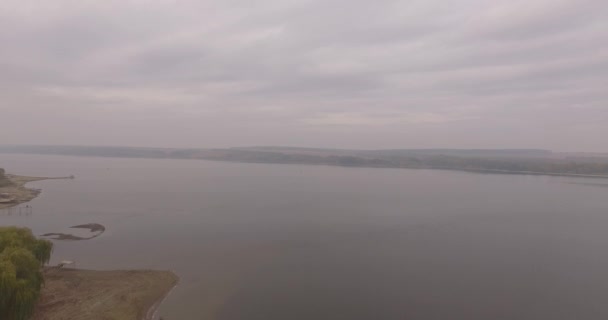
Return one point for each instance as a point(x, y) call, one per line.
point(13, 190)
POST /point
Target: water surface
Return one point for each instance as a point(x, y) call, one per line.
point(258, 241)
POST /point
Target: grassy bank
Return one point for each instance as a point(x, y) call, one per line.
point(72, 294)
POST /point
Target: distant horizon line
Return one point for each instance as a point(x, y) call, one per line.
point(304, 148)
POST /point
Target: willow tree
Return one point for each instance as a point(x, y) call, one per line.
point(21, 259)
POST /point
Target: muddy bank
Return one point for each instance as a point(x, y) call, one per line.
point(96, 230)
point(72, 294)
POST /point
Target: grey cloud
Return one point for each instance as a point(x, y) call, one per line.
point(317, 73)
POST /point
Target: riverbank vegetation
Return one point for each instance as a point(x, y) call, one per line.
point(22, 257)
point(28, 290)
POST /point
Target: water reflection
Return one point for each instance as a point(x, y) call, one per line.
point(20, 210)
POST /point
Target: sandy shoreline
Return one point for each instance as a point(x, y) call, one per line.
point(18, 193)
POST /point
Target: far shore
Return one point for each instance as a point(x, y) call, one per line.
point(502, 161)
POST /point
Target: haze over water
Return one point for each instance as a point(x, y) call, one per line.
point(259, 241)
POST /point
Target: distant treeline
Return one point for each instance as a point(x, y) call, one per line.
point(499, 160)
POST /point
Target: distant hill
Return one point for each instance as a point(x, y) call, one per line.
point(526, 161)
point(410, 152)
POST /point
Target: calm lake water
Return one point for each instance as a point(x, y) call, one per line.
point(290, 242)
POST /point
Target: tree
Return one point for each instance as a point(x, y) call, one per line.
point(3, 179)
point(21, 259)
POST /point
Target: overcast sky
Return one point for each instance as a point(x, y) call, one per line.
point(319, 73)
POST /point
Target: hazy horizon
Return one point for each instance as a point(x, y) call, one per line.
point(292, 146)
point(461, 74)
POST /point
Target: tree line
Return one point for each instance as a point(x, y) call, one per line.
point(22, 257)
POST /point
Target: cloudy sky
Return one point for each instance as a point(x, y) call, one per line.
point(319, 73)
